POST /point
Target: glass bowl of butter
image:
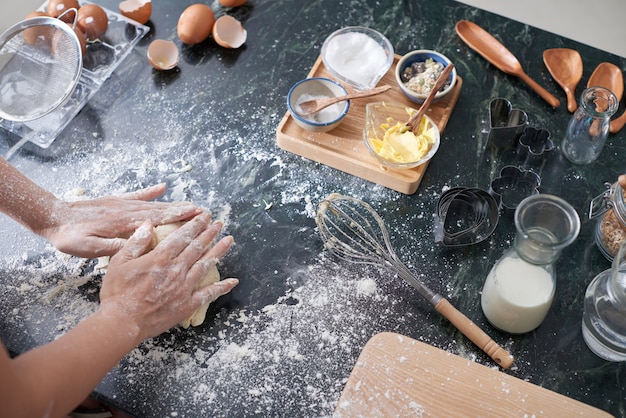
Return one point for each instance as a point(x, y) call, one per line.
point(392, 143)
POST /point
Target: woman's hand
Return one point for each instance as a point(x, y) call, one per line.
point(153, 291)
point(97, 227)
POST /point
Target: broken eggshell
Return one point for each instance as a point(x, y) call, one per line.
point(162, 54)
point(228, 32)
point(138, 10)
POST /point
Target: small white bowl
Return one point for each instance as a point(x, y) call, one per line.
point(422, 55)
point(312, 88)
point(357, 56)
point(379, 113)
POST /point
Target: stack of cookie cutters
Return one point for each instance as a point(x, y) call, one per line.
point(467, 216)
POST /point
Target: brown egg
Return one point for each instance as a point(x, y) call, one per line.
point(138, 10)
point(232, 3)
point(93, 21)
point(56, 7)
point(79, 34)
point(195, 24)
point(228, 32)
point(41, 33)
point(162, 54)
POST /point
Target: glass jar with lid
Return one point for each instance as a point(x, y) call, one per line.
point(610, 208)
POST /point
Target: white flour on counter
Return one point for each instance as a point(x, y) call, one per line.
point(294, 354)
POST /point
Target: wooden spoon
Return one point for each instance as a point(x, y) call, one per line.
point(609, 76)
point(618, 124)
point(493, 51)
point(566, 67)
point(415, 120)
point(315, 105)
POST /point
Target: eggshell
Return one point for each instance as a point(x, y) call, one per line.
point(92, 20)
point(56, 7)
point(138, 10)
point(42, 33)
point(195, 24)
point(228, 32)
point(162, 54)
point(232, 3)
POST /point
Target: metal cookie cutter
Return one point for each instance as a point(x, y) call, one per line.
point(506, 124)
point(512, 186)
point(465, 216)
point(534, 144)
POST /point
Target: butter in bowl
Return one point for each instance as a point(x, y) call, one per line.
point(388, 138)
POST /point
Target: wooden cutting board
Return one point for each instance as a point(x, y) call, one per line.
point(396, 376)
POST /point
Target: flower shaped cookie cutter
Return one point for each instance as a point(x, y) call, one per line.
point(513, 185)
point(506, 124)
point(534, 144)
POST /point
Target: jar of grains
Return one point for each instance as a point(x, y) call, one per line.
point(611, 227)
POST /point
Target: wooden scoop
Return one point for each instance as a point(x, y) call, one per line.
point(493, 51)
point(618, 124)
point(415, 120)
point(315, 105)
point(609, 76)
point(566, 67)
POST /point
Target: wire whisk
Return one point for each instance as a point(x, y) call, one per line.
point(353, 231)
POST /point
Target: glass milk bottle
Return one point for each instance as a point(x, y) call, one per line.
point(589, 126)
point(604, 316)
point(519, 289)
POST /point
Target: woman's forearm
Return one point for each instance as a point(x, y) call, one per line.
point(65, 370)
point(23, 200)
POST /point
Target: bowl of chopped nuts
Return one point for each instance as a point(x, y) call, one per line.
point(418, 71)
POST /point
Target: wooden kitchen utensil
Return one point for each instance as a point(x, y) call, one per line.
point(609, 76)
point(399, 376)
point(415, 120)
point(493, 51)
point(309, 107)
point(566, 67)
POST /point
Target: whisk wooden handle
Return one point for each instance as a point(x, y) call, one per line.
point(474, 333)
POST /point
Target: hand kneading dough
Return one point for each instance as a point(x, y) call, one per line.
point(212, 276)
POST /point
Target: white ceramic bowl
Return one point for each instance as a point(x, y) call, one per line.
point(312, 88)
point(418, 56)
point(357, 56)
point(379, 113)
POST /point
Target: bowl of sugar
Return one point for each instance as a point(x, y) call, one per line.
point(357, 56)
point(317, 88)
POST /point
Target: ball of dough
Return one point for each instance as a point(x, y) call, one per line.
point(212, 276)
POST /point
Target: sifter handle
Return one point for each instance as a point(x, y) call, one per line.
point(474, 333)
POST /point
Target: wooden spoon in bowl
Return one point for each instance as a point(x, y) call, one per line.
point(566, 67)
point(414, 121)
point(309, 107)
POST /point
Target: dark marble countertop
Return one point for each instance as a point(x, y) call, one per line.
point(284, 341)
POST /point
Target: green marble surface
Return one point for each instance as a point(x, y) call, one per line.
point(284, 342)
